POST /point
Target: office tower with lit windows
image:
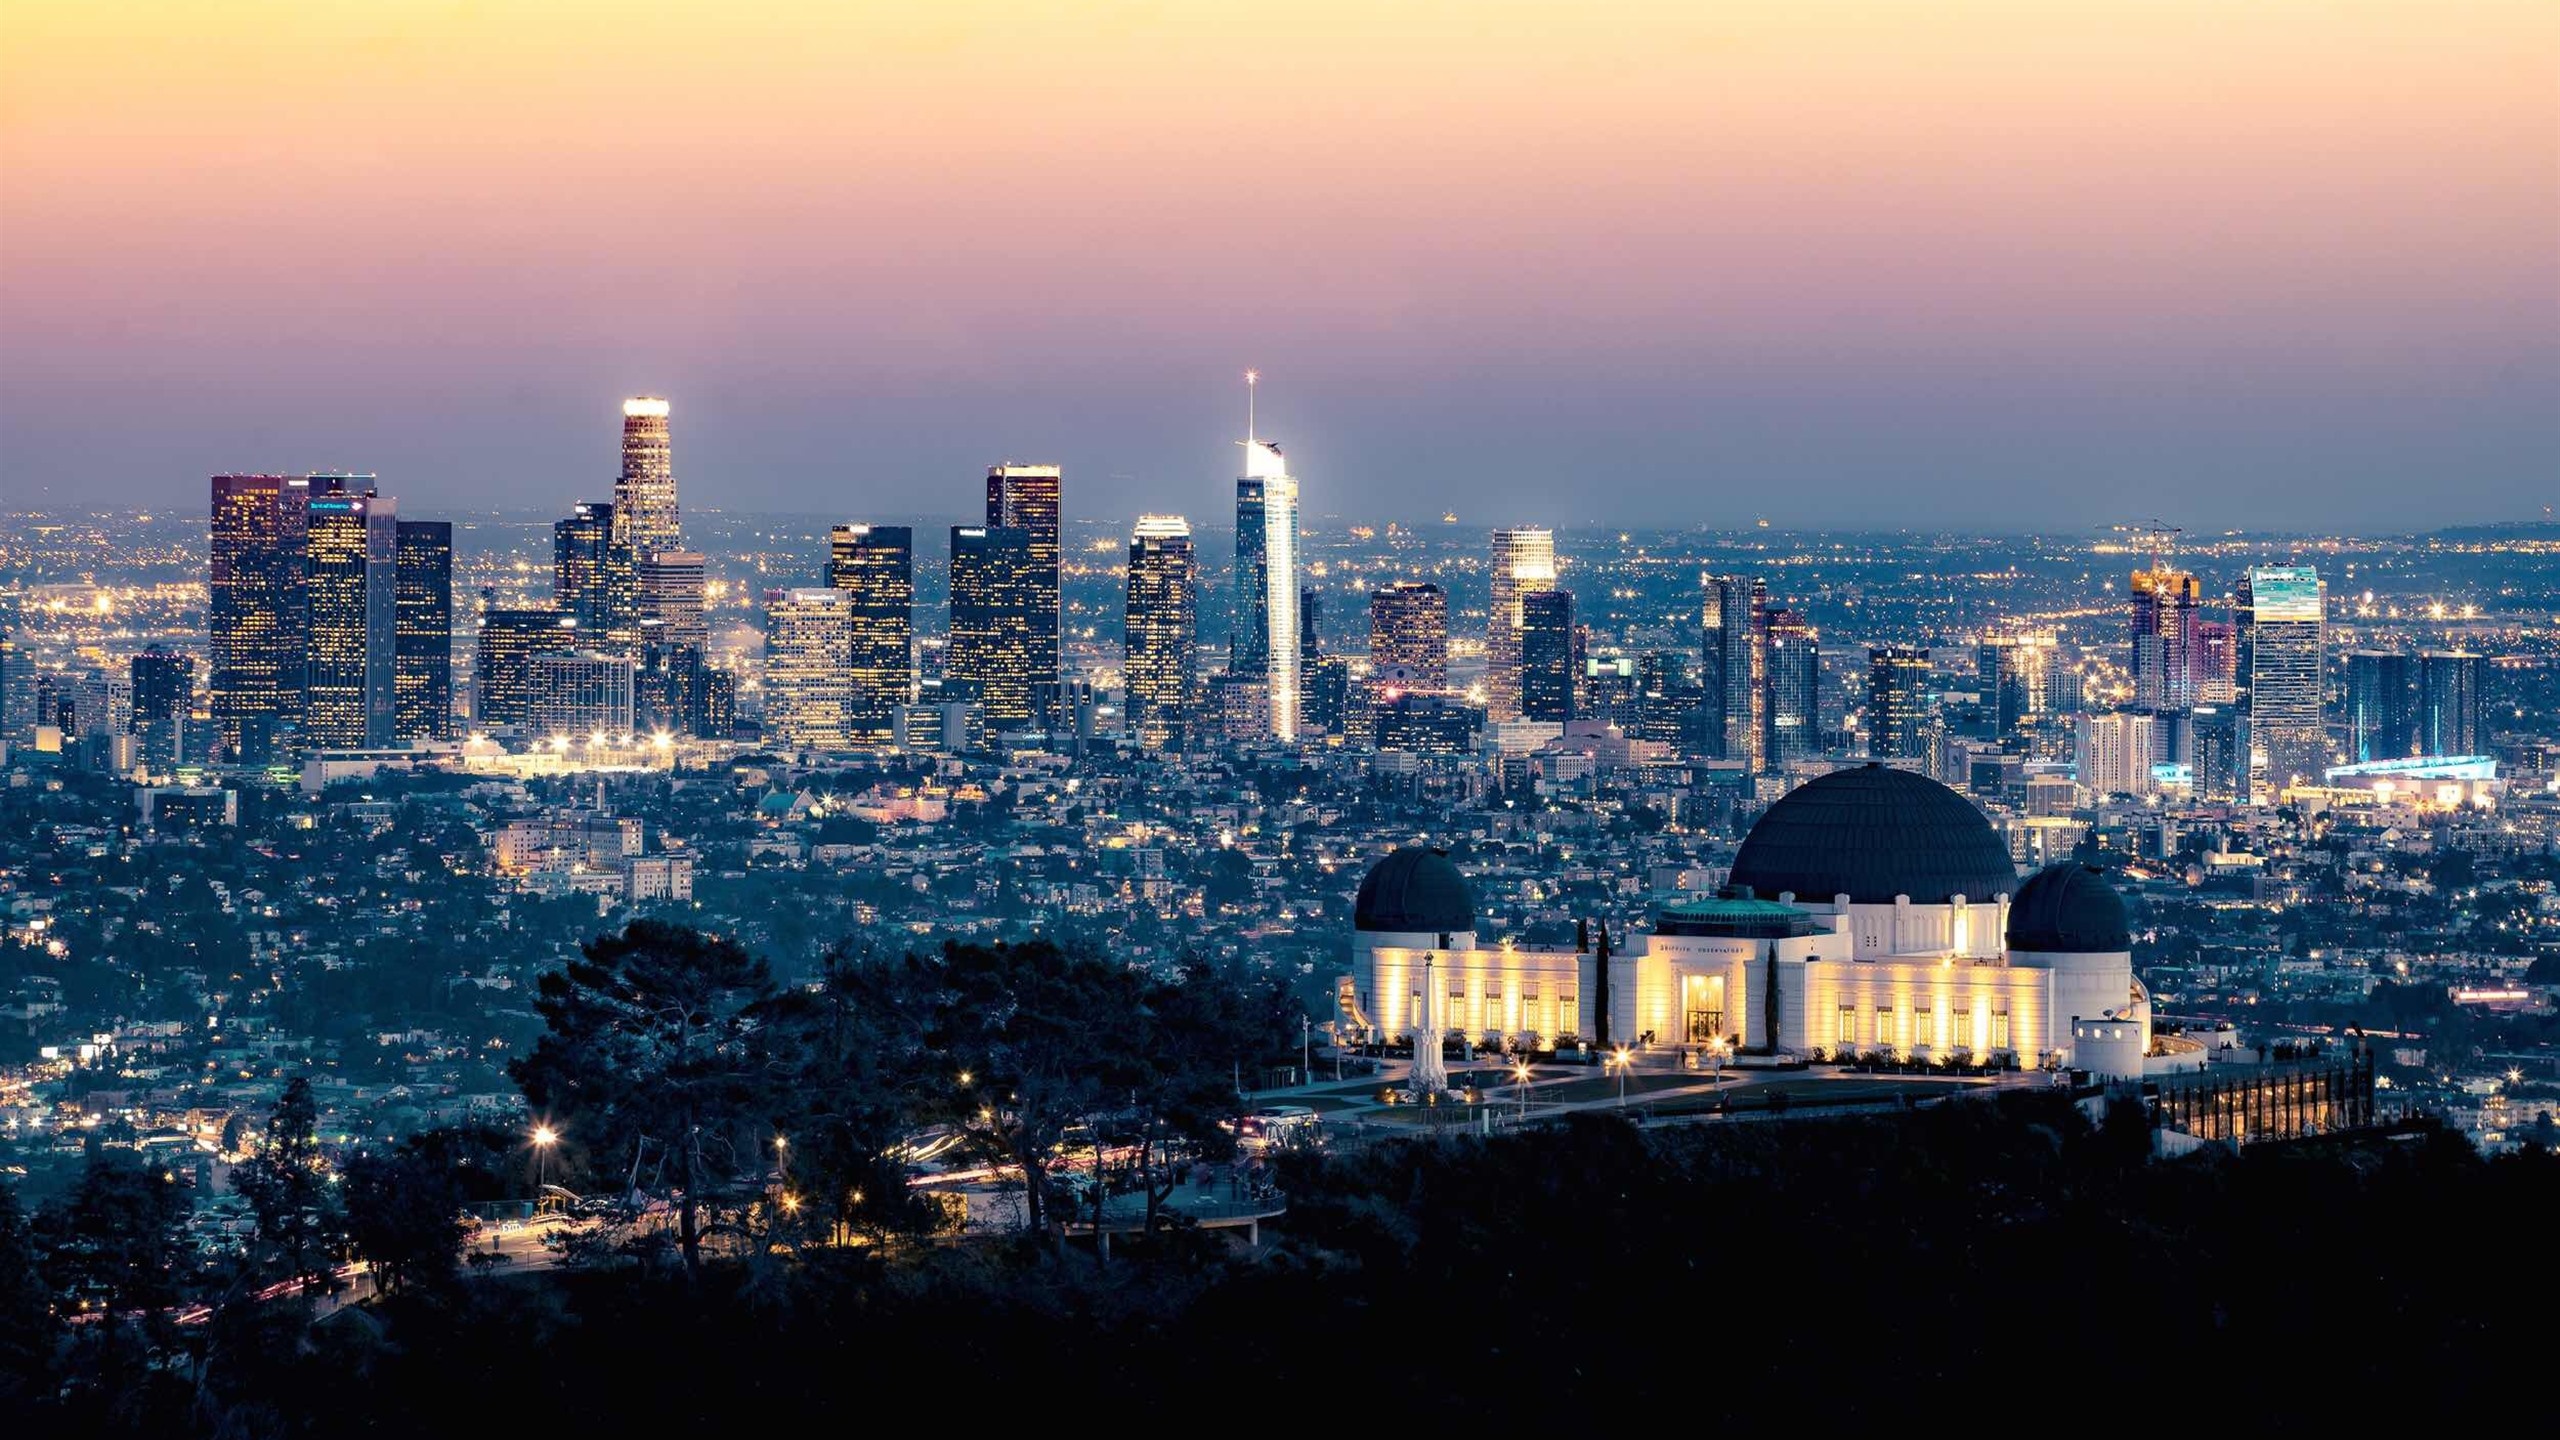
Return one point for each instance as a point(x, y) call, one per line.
point(1608, 692)
point(672, 605)
point(1524, 563)
point(1267, 580)
point(163, 684)
point(1791, 721)
point(644, 494)
point(19, 710)
point(1671, 707)
point(502, 661)
point(2283, 652)
point(1160, 663)
point(2112, 753)
point(2381, 706)
point(1546, 649)
point(2217, 662)
point(351, 626)
point(422, 622)
point(1898, 703)
point(2165, 638)
point(993, 585)
point(2452, 701)
point(875, 567)
point(593, 579)
point(1409, 629)
point(574, 694)
point(1733, 661)
point(254, 609)
point(808, 686)
point(1026, 498)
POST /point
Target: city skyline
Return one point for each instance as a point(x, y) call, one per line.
point(1958, 266)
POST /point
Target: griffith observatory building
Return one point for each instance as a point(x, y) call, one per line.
point(1871, 910)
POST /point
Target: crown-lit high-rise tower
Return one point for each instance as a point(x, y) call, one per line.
point(1266, 644)
point(644, 495)
point(2283, 653)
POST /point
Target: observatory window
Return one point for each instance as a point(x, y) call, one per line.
point(1924, 1028)
point(1848, 1035)
point(1999, 1029)
point(1884, 1025)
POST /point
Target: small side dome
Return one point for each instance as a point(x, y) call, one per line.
point(2069, 909)
point(1415, 891)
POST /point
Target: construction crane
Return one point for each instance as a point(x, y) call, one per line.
point(2151, 534)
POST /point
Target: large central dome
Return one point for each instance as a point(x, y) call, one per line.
point(1415, 891)
point(1873, 833)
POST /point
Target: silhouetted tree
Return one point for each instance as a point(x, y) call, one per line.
point(650, 1054)
point(404, 1216)
point(287, 1185)
point(26, 1318)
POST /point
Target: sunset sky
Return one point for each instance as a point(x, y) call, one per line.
point(1985, 263)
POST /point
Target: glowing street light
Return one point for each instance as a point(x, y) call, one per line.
point(1520, 1074)
point(1621, 1061)
point(544, 1137)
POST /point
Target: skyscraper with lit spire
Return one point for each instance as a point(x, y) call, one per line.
point(644, 495)
point(1266, 647)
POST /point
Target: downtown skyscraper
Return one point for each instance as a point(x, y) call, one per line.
point(1409, 633)
point(350, 581)
point(2166, 631)
point(875, 566)
point(644, 494)
point(2381, 708)
point(1160, 661)
point(1791, 725)
point(422, 625)
point(2283, 650)
point(993, 594)
point(2453, 703)
point(1264, 646)
point(502, 661)
point(1732, 664)
point(593, 577)
point(255, 610)
point(808, 690)
point(1898, 703)
point(1524, 563)
point(1026, 498)
point(1547, 659)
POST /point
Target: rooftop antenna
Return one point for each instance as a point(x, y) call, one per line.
point(1251, 379)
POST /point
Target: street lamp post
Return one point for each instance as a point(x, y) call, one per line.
point(1520, 1074)
point(1623, 1059)
point(544, 1137)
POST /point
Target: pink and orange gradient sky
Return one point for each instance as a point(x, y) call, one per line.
point(2279, 264)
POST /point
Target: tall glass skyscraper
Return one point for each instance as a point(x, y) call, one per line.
point(1160, 664)
point(1409, 628)
point(254, 611)
point(1546, 656)
point(644, 494)
point(808, 689)
point(875, 565)
point(1026, 498)
point(422, 622)
point(2282, 652)
point(1733, 660)
point(993, 591)
point(350, 585)
point(1791, 724)
point(1898, 703)
point(1524, 563)
point(593, 577)
point(2452, 702)
point(2381, 706)
point(1266, 475)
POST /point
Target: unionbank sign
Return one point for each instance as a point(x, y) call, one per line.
point(2285, 592)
